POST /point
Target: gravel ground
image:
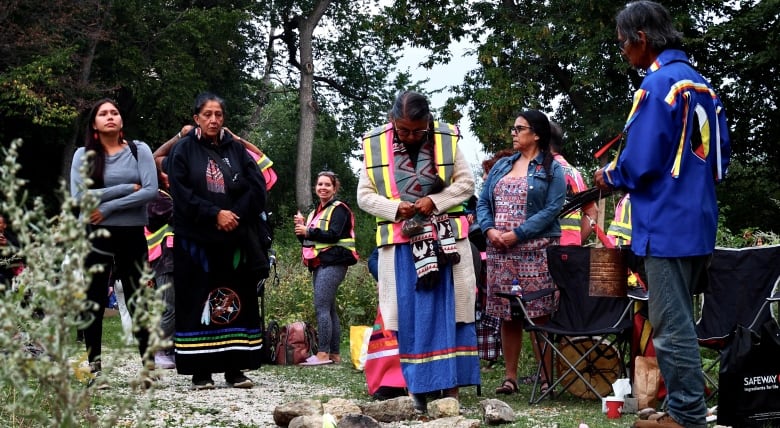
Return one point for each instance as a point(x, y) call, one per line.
point(172, 404)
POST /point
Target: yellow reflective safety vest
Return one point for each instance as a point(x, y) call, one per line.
point(380, 167)
point(263, 162)
point(619, 231)
point(154, 240)
point(321, 220)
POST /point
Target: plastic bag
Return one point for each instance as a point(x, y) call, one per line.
point(359, 335)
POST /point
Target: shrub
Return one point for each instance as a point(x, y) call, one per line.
point(43, 374)
point(291, 299)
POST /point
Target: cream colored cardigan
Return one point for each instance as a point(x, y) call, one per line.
point(460, 189)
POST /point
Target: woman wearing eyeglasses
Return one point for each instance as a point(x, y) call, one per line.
point(518, 213)
point(328, 239)
point(414, 182)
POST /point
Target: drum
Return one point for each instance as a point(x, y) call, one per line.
point(601, 368)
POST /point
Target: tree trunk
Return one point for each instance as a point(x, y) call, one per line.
point(93, 37)
point(308, 107)
point(265, 82)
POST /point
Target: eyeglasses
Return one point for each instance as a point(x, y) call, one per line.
point(519, 128)
point(621, 44)
point(330, 174)
point(407, 132)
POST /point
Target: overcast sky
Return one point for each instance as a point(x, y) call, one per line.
point(444, 77)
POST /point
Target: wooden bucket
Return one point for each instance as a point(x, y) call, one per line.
point(608, 272)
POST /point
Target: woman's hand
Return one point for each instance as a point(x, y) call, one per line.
point(424, 206)
point(227, 221)
point(301, 230)
point(185, 130)
point(163, 178)
point(496, 239)
point(95, 217)
point(406, 210)
point(509, 238)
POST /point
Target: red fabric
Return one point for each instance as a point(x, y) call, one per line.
point(383, 365)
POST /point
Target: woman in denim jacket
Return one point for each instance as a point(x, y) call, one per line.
point(518, 213)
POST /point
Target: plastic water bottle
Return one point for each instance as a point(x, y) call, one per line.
point(516, 290)
point(271, 257)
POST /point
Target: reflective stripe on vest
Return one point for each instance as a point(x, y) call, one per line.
point(154, 240)
point(322, 221)
point(263, 162)
point(620, 227)
point(379, 163)
point(571, 228)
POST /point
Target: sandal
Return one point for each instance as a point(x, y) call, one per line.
point(543, 388)
point(508, 387)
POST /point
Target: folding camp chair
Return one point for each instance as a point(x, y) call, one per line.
point(590, 332)
point(738, 292)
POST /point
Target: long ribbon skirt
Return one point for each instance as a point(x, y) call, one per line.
point(217, 312)
point(436, 352)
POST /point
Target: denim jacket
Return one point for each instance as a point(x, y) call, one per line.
point(544, 203)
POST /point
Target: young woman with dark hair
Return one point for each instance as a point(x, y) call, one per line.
point(518, 213)
point(124, 178)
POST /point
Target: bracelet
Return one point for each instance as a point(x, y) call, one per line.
point(178, 135)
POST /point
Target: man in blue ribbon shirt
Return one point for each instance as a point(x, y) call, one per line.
point(677, 149)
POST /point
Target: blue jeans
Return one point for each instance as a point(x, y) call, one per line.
point(670, 283)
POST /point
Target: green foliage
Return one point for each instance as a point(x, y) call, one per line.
point(751, 192)
point(43, 372)
point(291, 299)
point(33, 92)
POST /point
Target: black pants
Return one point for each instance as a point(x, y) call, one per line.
point(123, 255)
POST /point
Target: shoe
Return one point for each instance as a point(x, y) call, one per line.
point(637, 293)
point(336, 358)
point(508, 387)
point(97, 381)
point(238, 380)
point(314, 361)
point(420, 405)
point(164, 360)
point(544, 390)
point(664, 421)
point(201, 382)
point(646, 413)
point(145, 383)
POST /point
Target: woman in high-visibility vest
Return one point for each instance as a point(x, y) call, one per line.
point(328, 239)
point(414, 182)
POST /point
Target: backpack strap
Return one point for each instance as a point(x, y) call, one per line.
point(133, 149)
